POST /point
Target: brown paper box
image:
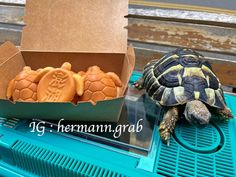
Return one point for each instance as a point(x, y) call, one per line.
point(81, 32)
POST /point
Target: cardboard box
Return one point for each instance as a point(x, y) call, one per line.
point(82, 32)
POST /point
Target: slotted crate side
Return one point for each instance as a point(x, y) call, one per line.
point(44, 162)
point(10, 123)
point(176, 160)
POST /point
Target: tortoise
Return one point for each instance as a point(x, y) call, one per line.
point(59, 85)
point(24, 86)
point(99, 85)
point(182, 81)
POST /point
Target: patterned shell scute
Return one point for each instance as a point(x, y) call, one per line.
point(98, 86)
point(182, 76)
point(24, 87)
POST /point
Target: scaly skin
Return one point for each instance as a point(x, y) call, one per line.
point(225, 114)
point(168, 124)
point(139, 84)
point(197, 113)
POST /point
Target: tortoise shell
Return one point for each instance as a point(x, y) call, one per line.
point(23, 86)
point(181, 76)
point(98, 86)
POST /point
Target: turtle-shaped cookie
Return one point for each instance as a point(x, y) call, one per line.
point(182, 79)
point(60, 85)
point(99, 85)
point(24, 86)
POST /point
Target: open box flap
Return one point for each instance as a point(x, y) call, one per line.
point(128, 66)
point(131, 58)
point(75, 26)
point(7, 50)
point(11, 63)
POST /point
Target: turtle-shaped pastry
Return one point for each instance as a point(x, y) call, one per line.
point(183, 80)
point(24, 86)
point(99, 85)
point(60, 85)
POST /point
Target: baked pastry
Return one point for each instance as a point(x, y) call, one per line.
point(60, 85)
point(24, 86)
point(99, 85)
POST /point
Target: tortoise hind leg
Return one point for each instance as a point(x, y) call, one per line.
point(225, 114)
point(168, 124)
point(139, 83)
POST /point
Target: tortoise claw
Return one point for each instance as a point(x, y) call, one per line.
point(168, 143)
point(164, 133)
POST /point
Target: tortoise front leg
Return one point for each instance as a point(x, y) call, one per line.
point(225, 114)
point(139, 83)
point(168, 124)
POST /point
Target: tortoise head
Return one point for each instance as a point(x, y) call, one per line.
point(27, 68)
point(66, 66)
point(94, 69)
point(197, 113)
